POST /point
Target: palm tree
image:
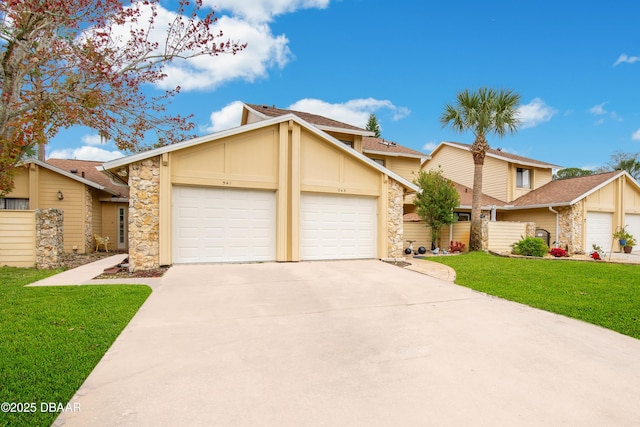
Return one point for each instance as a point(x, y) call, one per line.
point(483, 112)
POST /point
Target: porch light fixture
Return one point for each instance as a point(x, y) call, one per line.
point(60, 195)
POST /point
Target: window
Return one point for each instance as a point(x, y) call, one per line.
point(523, 178)
point(463, 216)
point(379, 161)
point(14, 204)
point(347, 143)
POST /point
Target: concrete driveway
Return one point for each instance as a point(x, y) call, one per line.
point(352, 343)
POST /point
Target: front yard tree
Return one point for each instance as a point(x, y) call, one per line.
point(85, 62)
point(482, 112)
point(435, 201)
point(572, 173)
point(629, 162)
point(373, 125)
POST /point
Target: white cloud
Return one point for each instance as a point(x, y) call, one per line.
point(354, 112)
point(264, 10)
point(636, 135)
point(227, 118)
point(264, 51)
point(86, 153)
point(429, 146)
point(599, 110)
point(534, 113)
point(626, 58)
point(250, 24)
point(93, 139)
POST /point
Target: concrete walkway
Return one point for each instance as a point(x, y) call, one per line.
point(84, 275)
point(352, 343)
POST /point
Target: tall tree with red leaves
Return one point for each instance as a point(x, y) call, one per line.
point(85, 62)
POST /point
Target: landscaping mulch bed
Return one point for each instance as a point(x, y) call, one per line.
point(73, 260)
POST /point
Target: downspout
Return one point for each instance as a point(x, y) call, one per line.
point(557, 225)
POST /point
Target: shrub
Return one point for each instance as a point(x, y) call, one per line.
point(530, 246)
point(456, 246)
point(558, 252)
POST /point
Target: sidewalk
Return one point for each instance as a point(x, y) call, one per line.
point(84, 275)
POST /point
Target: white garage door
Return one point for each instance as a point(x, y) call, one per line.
point(223, 225)
point(338, 227)
point(633, 222)
point(599, 230)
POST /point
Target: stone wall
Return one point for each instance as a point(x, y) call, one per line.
point(571, 223)
point(395, 230)
point(49, 238)
point(88, 219)
point(144, 214)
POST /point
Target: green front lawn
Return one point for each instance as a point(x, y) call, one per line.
point(52, 337)
point(604, 294)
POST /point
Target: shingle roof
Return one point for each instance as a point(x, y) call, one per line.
point(514, 158)
point(314, 119)
point(564, 191)
point(90, 173)
point(380, 145)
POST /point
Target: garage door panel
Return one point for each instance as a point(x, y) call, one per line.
point(633, 225)
point(599, 230)
point(223, 225)
point(338, 227)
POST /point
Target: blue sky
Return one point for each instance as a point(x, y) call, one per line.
point(576, 65)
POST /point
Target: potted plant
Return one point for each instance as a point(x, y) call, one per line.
point(629, 244)
point(622, 235)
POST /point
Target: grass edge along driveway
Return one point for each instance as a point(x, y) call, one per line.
point(604, 294)
point(51, 338)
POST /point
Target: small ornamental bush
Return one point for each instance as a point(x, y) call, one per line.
point(530, 246)
point(456, 246)
point(558, 252)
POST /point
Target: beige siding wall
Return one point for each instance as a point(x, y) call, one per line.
point(504, 234)
point(456, 165)
point(422, 234)
point(17, 238)
point(72, 205)
point(542, 177)
point(543, 218)
point(21, 184)
point(495, 175)
point(403, 166)
point(631, 198)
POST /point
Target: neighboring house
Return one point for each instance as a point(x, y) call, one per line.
point(274, 189)
point(90, 201)
point(577, 213)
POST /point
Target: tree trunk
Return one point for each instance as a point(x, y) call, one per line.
point(479, 150)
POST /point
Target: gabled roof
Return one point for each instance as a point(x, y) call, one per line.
point(566, 192)
point(502, 155)
point(91, 177)
point(89, 169)
point(374, 145)
point(320, 122)
point(118, 163)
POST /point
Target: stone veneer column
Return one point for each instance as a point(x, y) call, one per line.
point(49, 238)
point(395, 227)
point(88, 219)
point(571, 224)
point(144, 211)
